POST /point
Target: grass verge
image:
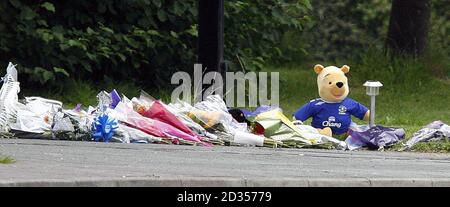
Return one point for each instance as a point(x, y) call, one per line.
point(6, 160)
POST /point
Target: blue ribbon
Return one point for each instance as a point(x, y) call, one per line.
point(104, 127)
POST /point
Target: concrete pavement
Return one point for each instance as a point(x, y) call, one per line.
point(66, 163)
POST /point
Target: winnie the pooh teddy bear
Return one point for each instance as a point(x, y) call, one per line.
point(331, 113)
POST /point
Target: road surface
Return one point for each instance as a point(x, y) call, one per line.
point(68, 163)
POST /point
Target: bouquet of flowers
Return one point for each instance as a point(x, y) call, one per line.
point(275, 125)
point(153, 127)
point(158, 111)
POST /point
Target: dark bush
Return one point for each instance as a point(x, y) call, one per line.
point(141, 40)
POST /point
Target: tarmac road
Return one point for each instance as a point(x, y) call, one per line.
point(67, 163)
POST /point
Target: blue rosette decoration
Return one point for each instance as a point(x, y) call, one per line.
point(104, 127)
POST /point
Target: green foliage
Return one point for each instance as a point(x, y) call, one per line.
point(345, 29)
point(341, 29)
point(254, 29)
point(440, 26)
point(142, 40)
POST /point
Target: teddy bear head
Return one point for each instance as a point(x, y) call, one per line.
point(332, 82)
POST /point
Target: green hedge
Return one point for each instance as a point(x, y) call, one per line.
point(141, 40)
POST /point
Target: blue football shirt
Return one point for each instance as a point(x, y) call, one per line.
point(337, 116)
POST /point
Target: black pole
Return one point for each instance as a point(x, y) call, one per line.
point(210, 44)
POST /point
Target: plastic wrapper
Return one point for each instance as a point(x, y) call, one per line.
point(278, 127)
point(144, 96)
point(248, 139)
point(82, 124)
point(153, 127)
point(115, 98)
point(104, 101)
point(181, 106)
point(208, 120)
point(36, 116)
point(259, 110)
point(143, 103)
point(434, 131)
point(354, 143)
point(158, 111)
point(9, 98)
point(62, 123)
point(176, 114)
point(210, 117)
point(81, 119)
point(126, 134)
point(377, 137)
point(27, 121)
point(320, 140)
point(219, 118)
point(63, 128)
point(195, 127)
point(215, 103)
point(132, 118)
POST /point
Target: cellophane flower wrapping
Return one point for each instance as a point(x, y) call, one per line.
point(158, 111)
point(9, 98)
point(280, 128)
point(153, 127)
point(36, 115)
point(126, 134)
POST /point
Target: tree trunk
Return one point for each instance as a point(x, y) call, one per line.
point(408, 27)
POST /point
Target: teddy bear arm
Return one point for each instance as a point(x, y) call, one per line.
point(367, 116)
point(325, 131)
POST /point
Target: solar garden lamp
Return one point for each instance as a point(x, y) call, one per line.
point(372, 90)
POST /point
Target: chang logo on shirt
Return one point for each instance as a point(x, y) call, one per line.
point(342, 110)
point(331, 122)
point(331, 119)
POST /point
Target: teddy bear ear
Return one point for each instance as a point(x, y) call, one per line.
point(345, 68)
point(318, 68)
